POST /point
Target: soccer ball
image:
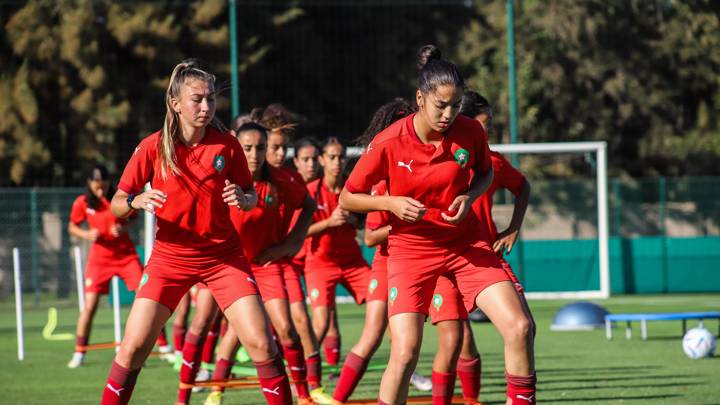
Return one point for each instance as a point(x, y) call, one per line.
point(699, 343)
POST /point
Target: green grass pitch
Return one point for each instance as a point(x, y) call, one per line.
point(573, 367)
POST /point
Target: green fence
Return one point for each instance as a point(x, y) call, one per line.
point(665, 237)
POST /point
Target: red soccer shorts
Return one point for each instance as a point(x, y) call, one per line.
point(447, 303)
point(413, 273)
point(99, 273)
point(377, 286)
point(322, 279)
point(509, 271)
point(167, 278)
point(270, 281)
point(291, 274)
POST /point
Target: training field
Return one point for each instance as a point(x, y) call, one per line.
point(573, 367)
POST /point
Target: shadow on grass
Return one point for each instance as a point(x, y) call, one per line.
point(616, 398)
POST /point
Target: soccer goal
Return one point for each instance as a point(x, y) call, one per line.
point(550, 263)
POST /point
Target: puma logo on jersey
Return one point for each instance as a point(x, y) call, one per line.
point(250, 279)
point(405, 165)
point(529, 399)
point(322, 207)
point(89, 211)
point(116, 391)
point(275, 392)
point(369, 148)
point(137, 148)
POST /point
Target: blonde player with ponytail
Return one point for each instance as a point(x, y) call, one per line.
point(198, 174)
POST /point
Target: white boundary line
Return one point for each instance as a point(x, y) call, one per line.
point(18, 305)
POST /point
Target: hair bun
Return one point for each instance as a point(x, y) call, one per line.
point(426, 54)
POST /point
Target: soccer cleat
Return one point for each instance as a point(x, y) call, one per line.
point(305, 401)
point(320, 397)
point(77, 360)
point(421, 383)
point(202, 375)
point(215, 398)
point(166, 353)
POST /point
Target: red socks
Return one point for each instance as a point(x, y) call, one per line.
point(81, 344)
point(296, 364)
point(119, 386)
point(190, 365)
point(352, 371)
point(274, 382)
point(314, 370)
point(223, 368)
point(162, 338)
point(208, 352)
point(331, 345)
point(178, 338)
point(521, 389)
point(469, 372)
point(443, 385)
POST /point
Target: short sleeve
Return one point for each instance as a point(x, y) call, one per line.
point(483, 162)
point(369, 170)
point(239, 172)
point(139, 169)
point(77, 212)
point(506, 176)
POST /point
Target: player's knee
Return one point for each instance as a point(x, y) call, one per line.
point(259, 345)
point(521, 330)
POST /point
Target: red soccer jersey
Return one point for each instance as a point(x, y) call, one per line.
point(432, 175)
point(505, 177)
point(106, 246)
point(334, 245)
point(194, 220)
point(378, 219)
point(277, 201)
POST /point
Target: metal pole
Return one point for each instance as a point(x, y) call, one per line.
point(116, 311)
point(18, 305)
point(234, 74)
point(662, 201)
point(512, 79)
point(603, 244)
point(79, 278)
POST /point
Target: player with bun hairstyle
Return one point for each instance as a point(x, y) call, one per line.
point(198, 174)
point(111, 252)
point(280, 195)
point(449, 316)
point(376, 233)
point(436, 164)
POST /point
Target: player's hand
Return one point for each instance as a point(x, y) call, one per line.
point(92, 234)
point(116, 230)
point(338, 217)
point(149, 200)
point(407, 209)
point(286, 249)
point(505, 241)
point(461, 204)
point(234, 196)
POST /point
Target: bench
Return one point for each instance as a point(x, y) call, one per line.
point(644, 318)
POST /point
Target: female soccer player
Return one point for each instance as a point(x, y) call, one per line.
point(111, 253)
point(376, 234)
point(198, 174)
point(448, 314)
point(428, 161)
point(333, 255)
point(280, 195)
